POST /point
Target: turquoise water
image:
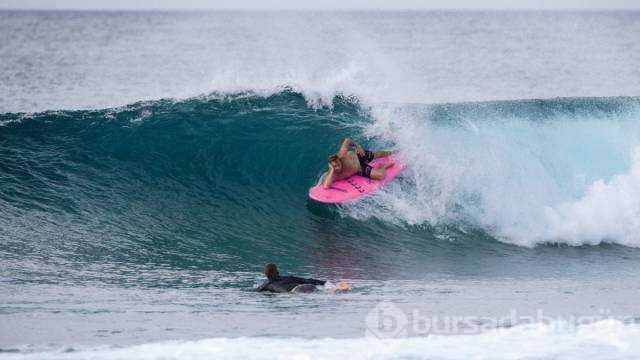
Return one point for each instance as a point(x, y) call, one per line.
point(146, 216)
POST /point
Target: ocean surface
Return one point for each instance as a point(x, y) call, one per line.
point(151, 164)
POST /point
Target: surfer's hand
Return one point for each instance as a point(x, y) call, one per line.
point(359, 150)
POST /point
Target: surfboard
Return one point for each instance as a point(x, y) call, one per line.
point(356, 186)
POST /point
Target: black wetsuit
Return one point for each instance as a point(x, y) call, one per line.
point(286, 283)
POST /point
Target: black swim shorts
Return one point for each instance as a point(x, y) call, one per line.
point(365, 168)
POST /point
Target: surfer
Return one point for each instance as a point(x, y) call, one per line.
point(281, 284)
point(346, 163)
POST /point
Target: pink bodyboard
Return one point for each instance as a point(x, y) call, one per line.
point(356, 186)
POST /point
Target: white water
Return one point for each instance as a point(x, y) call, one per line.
point(568, 179)
point(601, 340)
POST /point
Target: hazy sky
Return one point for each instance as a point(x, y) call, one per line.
point(320, 4)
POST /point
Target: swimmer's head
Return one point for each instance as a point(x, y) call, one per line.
point(335, 162)
point(271, 271)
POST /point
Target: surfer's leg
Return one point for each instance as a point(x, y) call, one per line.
point(378, 174)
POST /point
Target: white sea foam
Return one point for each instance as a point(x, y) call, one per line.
point(609, 210)
point(570, 179)
point(602, 340)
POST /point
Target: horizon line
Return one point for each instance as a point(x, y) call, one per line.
point(322, 9)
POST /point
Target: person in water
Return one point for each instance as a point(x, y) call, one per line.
point(282, 284)
point(346, 163)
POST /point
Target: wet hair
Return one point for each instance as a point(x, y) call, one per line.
point(271, 271)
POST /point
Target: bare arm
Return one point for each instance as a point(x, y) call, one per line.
point(328, 178)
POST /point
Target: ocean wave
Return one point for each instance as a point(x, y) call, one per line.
point(235, 167)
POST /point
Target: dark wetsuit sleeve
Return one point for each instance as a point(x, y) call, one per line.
point(274, 286)
point(286, 284)
point(309, 281)
point(316, 282)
